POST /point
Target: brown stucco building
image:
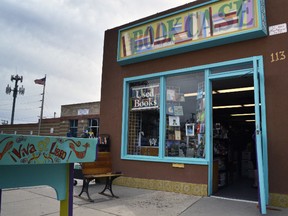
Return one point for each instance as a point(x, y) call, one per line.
point(186, 94)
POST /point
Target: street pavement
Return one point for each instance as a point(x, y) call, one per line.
point(41, 201)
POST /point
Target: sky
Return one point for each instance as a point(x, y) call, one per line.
point(62, 39)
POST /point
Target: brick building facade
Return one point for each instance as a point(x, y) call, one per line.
point(78, 117)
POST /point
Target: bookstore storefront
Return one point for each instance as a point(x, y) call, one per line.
point(193, 89)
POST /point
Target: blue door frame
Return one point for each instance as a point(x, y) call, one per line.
point(256, 69)
point(257, 72)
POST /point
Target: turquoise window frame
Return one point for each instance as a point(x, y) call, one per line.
point(162, 126)
point(208, 160)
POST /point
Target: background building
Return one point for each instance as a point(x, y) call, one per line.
point(75, 118)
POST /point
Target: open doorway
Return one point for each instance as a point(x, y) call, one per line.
point(234, 154)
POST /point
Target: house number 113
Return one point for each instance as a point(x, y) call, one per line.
point(278, 56)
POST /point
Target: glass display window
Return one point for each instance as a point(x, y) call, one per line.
point(185, 116)
point(172, 106)
point(144, 103)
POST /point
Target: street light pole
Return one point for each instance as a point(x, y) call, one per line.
point(21, 91)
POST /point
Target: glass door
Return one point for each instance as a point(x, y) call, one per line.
point(252, 67)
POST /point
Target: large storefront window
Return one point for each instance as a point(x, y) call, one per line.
point(169, 116)
point(185, 116)
point(143, 135)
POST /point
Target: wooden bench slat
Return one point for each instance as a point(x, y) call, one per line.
point(95, 171)
point(104, 175)
point(101, 168)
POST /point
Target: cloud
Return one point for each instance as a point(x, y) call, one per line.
point(64, 40)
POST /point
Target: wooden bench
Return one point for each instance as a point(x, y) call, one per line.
point(101, 168)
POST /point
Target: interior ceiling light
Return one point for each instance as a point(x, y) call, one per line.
point(233, 106)
point(249, 105)
point(235, 90)
point(227, 107)
point(223, 91)
point(252, 120)
point(243, 114)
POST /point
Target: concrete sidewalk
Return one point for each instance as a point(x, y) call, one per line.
point(41, 201)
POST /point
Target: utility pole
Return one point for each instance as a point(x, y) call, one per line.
point(42, 107)
point(21, 91)
point(41, 82)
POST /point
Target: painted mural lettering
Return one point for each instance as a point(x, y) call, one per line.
point(54, 150)
point(23, 151)
point(16, 149)
point(193, 25)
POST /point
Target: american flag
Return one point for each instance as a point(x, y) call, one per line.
point(40, 81)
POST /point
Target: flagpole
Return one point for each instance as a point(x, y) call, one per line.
point(42, 106)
